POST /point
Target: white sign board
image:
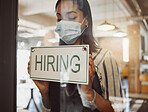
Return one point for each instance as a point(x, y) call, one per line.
point(60, 63)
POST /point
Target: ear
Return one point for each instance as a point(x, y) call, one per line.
point(86, 22)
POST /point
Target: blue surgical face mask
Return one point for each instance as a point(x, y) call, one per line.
point(69, 31)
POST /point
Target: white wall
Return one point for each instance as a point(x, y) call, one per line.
point(22, 63)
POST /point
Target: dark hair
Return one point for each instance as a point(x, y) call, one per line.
point(87, 36)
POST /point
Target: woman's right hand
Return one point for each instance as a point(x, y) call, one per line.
point(42, 85)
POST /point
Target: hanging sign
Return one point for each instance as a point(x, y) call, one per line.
point(67, 64)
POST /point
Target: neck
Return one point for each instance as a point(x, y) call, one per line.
point(78, 42)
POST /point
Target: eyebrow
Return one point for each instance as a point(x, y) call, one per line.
point(67, 13)
point(71, 12)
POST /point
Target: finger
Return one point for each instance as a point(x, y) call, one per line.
point(93, 68)
point(29, 72)
point(92, 64)
point(90, 72)
point(90, 58)
point(28, 68)
point(91, 77)
point(29, 63)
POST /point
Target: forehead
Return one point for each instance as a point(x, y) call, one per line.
point(66, 6)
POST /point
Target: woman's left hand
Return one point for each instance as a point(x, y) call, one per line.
point(87, 89)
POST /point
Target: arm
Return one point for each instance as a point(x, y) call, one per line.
point(45, 100)
point(100, 103)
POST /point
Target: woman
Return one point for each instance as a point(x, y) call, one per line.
point(74, 26)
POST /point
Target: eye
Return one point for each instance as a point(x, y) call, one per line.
point(71, 15)
point(72, 18)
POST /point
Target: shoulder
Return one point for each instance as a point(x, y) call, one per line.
point(101, 55)
point(101, 52)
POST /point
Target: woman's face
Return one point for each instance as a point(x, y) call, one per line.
point(69, 11)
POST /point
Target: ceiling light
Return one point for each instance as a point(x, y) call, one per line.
point(105, 26)
point(22, 44)
point(120, 34)
point(25, 35)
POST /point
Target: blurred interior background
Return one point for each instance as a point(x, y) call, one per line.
point(127, 40)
